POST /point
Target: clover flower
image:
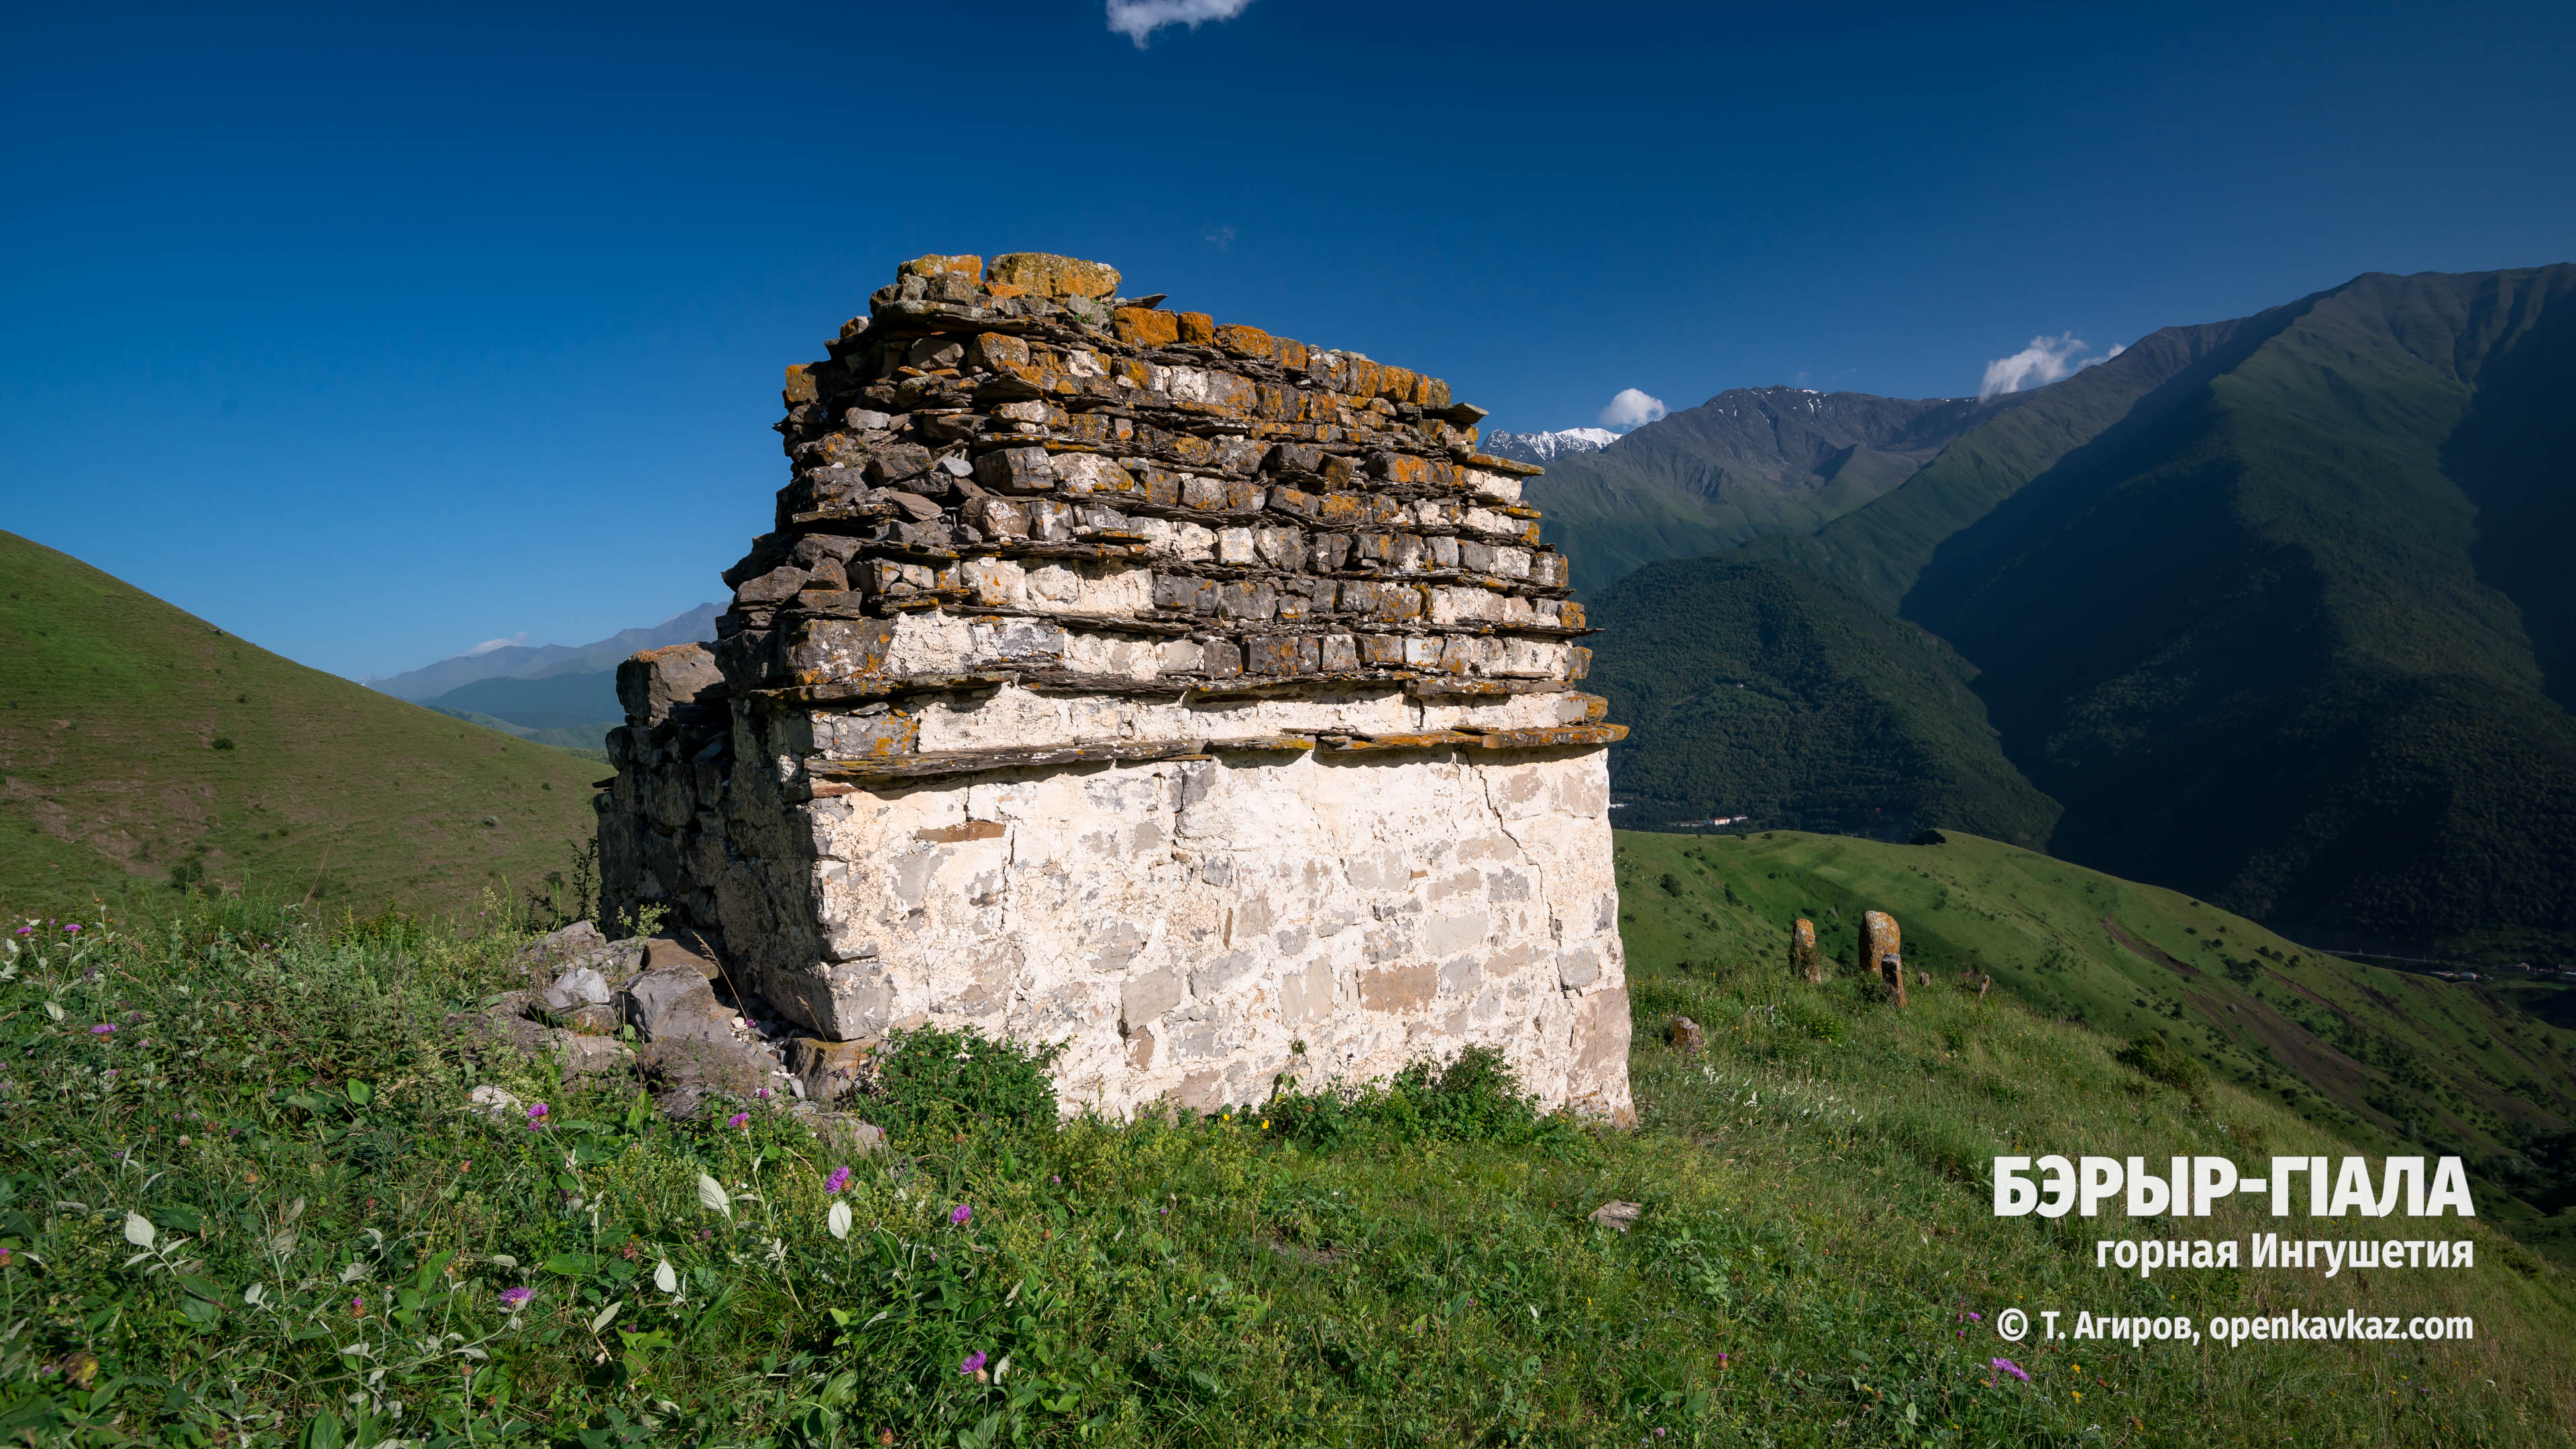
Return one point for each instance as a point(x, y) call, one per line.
point(972, 1365)
point(959, 1214)
point(839, 1179)
point(737, 1119)
point(515, 1299)
point(2008, 1366)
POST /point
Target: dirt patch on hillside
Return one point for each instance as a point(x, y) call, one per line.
point(2141, 948)
point(2302, 1051)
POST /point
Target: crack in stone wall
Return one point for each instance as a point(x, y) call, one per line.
point(1191, 697)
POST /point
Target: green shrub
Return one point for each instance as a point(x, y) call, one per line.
point(2156, 1058)
point(930, 1081)
point(1475, 1098)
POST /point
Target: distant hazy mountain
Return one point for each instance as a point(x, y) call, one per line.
point(521, 661)
point(2276, 609)
point(1748, 462)
point(1545, 447)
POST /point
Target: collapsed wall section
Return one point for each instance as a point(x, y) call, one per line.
point(1186, 695)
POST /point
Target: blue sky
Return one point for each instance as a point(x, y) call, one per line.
point(371, 337)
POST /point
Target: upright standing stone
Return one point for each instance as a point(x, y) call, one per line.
point(1804, 958)
point(1192, 697)
point(1881, 952)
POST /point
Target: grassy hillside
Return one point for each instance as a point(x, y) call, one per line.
point(2376, 1057)
point(1761, 689)
point(142, 748)
point(1814, 1261)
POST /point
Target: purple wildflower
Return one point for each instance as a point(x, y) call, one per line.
point(737, 1119)
point(537, 1113)
point(26, 930)
point(4, 1257)
point(839, 1179)
point(104, 1028)
point(762, 1094)
point(2008, 1366)
point(959, 1214)
point(72, 929)
point(1722, 1358)
point(973, 1363)
point(358, 1306)
point(1974, 1317)
point(515, 1299)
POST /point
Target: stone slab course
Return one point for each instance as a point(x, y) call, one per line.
point(1197, 698)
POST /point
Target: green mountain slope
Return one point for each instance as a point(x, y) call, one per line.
point(2375, 1056)
point(2272, 608)
point(2248, 645)
point(1762, 689)
point(140, 746)
point(1746, 463)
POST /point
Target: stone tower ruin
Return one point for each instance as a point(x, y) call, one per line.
point(1195, 698)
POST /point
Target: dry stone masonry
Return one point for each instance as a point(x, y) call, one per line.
point(1193, 697)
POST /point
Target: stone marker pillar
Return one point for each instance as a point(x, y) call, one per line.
point(1881, 951)
point(1197, 699)
point(1804, 958)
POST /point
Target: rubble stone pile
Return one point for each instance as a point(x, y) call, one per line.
point(1192, 696)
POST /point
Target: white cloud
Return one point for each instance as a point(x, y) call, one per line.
point(1631, 409)
point(1137, 19)
point(1222, 238)
point(2116, 349)
point(488, 645)
point(2044, 361)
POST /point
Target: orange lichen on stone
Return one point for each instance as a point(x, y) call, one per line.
point(1044, 274)
point(1196, 327)
point(1145, 327)
point(971, 268)
point(800, 385)
point(1245, 341)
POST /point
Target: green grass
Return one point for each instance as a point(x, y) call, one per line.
point(144, 748)
point(2362, 1052)
point(1411, 1265)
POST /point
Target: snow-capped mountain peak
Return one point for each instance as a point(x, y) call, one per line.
point(1540, 447)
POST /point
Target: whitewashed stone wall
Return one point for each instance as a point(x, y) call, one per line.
point(1191, 698)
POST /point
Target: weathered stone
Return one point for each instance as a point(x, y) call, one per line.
point(674, 1003)
point(567, 944)
point(831, 1070)
point(579, 985)
point(1686, 1036)
point(1093, 691)
point(1804, 957)
point(1618, 1216)
point(686, 1073)
point(1042, 274)
point(971, 268)
point(1881, 952)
